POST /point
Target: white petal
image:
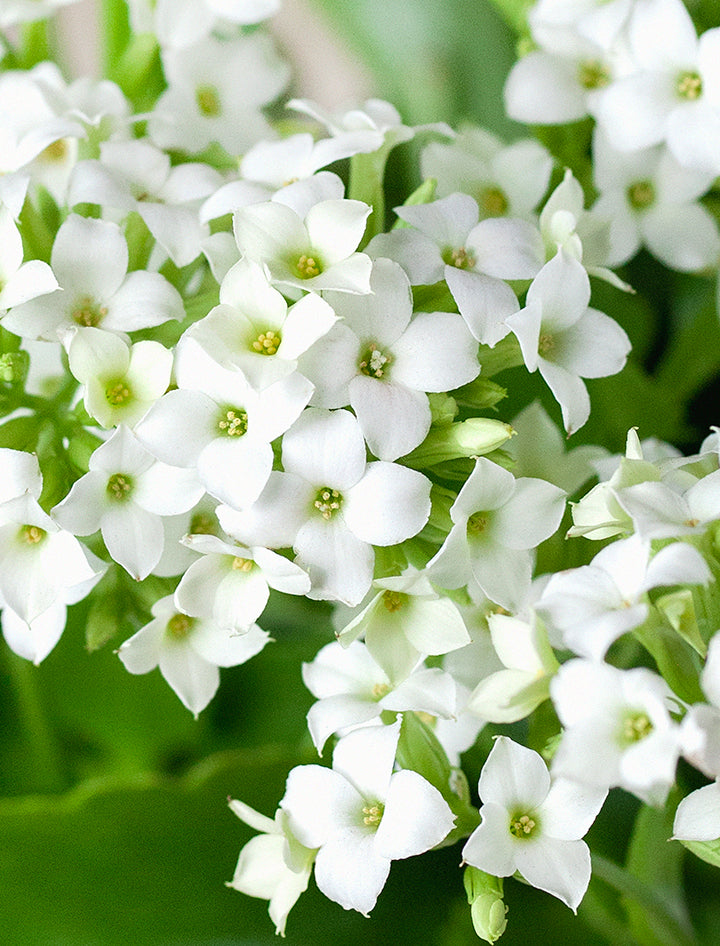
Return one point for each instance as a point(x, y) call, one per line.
point(390, 504)
point(416, 817)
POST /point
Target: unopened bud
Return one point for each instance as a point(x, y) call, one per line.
point(487, 909)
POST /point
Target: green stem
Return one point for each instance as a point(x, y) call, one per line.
point(43, 749)
point(34, 44)
point(665, 926)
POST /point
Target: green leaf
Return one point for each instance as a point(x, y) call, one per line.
point(675, 660)
point(659, 865)
point(708, 851)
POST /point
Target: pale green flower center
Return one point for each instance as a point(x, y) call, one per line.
point(233, 422)
point(202, 523)
point(179, 626)
point(394, 600)
point(32, 535)
point(208, 101)
point(641, 194)
point(546, 344)
point(307, 266)
point(119, 487)
point(635, 727)
point(118, 392)
point(372, 814)
point(477, 524)
point(374, 363)
point(460, 258)
point(380, 690)
point(242, 564)
point(593, 74)
point(523, 826)
point(493, 202)
point(689, 86)
point(87, 312)
point(267, 343)
point(327, 502)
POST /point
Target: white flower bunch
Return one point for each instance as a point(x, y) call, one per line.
point(266, 389)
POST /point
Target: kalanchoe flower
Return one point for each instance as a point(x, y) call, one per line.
point(188, 652)
point(230, 584)
point(352, 690)
point(588, 608)
point(121, 380)
point(564, 339)
point(332, 506)
point(406, 621)
point(383, 360)
point(497, 522)
point(311, 252)
point(90, 260)
point(361, 816)
point(215, 421)
point(124, 495)
point(19, 281)
point(533, 824)
point(617, 728)
point(273, 866)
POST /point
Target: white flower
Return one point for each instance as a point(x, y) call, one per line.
point(311, 252)
point(273, 866)
point(658, 511)
point(650, 199)
point(361, 816)
point(406, 621)
point(332, 506)
point(254, 329)
point(121, 380)
point(215, 421)
point(617, 728)
point(564, 339)
point(90, 260)
point(231, 584)
point(215, 92)
point(497, 521)
point(19, 281)
point(124, 495)
point(380, 359)
point(505, 180)
point(533, 824)
point(593, 605)
point(352, 690)
point(188, 652)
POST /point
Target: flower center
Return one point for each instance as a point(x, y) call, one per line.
point(641, 194)
point(119, 487)
point(327, 502)
point(233, 422)
point(179, 626)
point(57, 151)
point(202, 523)
point(307, 267)
point(208, 101)
point(689, 86)
point(32, 535)
point(460, 258)
point(493, 202)
point(242, 564)
point(394, 600)
point(593, 74)
point(635, 727)
point(477, 524)
point(546, 344)
point(373, 363)
point(87, 312)
point(522, 826)
point(380, 690)
point(267, 343)
point(372, 814)
point(117, 392)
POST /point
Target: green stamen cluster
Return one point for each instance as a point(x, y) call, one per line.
point(374, 363)
point(179, 626)
point(32, 535)
point(641, 194)
point(267, 343)
point(593, 74)
point(689, 86)
point(234, 422)
point(522, 826)
point(208, 101)
point(119, 487)
point(307, 267)
point(88, 313)
point(493, 202)
point(327, 502)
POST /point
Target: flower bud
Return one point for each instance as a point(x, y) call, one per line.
point(468, 438)
point(487, 909)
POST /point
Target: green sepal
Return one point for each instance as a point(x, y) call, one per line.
point(675, 660)
point(424, 194)
point(443, 409)
point(81, 447)
point(481, 394)
point(419, 750)
point(468, 438)
point(678, 609)
point(506, 354)
point(20, 433)
point(487, 909)
point(435, 297)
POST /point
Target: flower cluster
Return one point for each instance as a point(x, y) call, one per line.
point(225, 375)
